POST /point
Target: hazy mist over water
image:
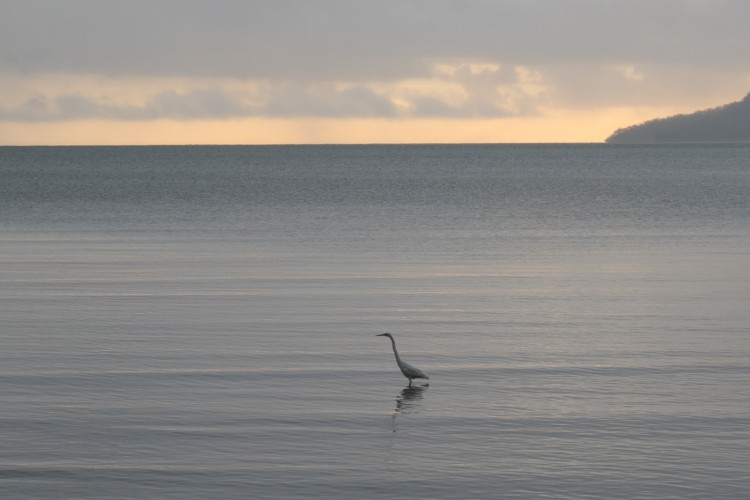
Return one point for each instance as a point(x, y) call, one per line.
point(199, 322)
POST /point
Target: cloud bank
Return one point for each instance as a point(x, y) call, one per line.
point(465, 91)
point(393, 59)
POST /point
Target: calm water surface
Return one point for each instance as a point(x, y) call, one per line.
point(199, 322)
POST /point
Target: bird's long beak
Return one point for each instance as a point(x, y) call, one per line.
point(381, 334)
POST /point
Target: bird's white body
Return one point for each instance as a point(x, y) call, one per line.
point(410, 371)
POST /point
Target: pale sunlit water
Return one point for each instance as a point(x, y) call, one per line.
point(199, 322)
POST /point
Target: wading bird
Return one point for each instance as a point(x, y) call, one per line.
point(409, 371)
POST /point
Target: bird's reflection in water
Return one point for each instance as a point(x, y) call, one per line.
point(408, 401)
point(408, 398)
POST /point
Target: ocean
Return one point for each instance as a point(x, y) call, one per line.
point(200, 322)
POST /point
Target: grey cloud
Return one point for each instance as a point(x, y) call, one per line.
point(34, 109)
point(326, 101)
point(290, 101)
point(489, 92)
point(73, 106)
point(431, 107)
point(357, 40)
point(281, 101)
point(204, 103)
point(200, 104)
point(579, 86)
point(453, 91)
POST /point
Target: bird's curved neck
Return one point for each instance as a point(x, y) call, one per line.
point(395, 351)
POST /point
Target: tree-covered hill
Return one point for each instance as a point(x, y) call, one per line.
point(728, 123)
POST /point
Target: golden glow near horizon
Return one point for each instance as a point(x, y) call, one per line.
point(553, 127)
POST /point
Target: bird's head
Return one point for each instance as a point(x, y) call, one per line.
point(384, 335)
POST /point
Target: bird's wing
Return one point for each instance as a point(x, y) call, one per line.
point(413, 371)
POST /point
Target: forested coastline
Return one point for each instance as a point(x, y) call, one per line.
point(728, 123)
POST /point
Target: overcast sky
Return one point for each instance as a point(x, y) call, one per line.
point(244, 71)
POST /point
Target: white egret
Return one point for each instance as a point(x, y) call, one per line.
point(409, 371)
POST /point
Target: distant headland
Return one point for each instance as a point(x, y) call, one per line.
point(728, 123)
